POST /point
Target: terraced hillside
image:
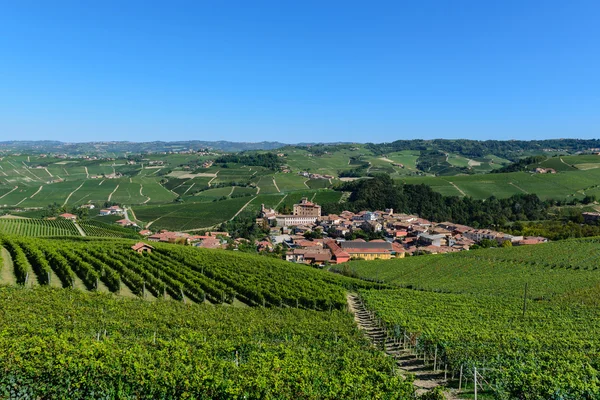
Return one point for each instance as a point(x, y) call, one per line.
point(520, 319)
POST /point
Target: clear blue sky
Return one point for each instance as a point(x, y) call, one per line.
point(297, 71)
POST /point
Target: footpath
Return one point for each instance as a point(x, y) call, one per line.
point(426, 378)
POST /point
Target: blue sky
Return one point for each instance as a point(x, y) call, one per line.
point(299, 71)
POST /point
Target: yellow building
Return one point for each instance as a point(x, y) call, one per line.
point(375, 250)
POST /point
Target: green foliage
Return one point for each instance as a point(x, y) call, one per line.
point(77, 346)
point(267, 160)
point(382, 192)
point(524, 164)
point(547, 351)
point(37, 227)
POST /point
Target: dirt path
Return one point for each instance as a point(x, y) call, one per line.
point(141, 194)
point(39, 190)
point(521, 189)
point(306, 184)
point(457, 188)
point(48, 172)
point(87, 174)
point(81, 232)
point(7, 272)
point(71, 194)
point(113, 192)
point(280, 201)
point(7, 193)
point(243, 207)
point(563, 161)
point(188, 189)
point(276, 187)
point(425, 378)
point(214, 177)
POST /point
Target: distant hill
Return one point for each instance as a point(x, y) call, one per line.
point(509, 149)
point(134, 147)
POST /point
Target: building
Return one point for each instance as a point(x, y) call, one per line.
point(338, 255)
point(305, 213)
point(72, 217)
point(141, 247)
point(368, 250)
point(307, 209)
point(591, 217)
point(432, 240)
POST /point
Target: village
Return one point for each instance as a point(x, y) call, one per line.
point(312, 238)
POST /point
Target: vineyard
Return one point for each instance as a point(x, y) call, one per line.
point(79, 345)
point(526, 317)
point(551, 270)
point(61, 227)
point(37, 227)
point(177, 272)
point(549, 351)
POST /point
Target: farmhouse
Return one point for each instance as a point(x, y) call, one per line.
point(72, 217)
point(141, 247)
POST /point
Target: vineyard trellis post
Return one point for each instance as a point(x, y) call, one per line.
point(475, 381)
point(460, 376)
point(525, 300)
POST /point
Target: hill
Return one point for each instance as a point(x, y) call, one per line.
point(521, 317)
point(177, 272)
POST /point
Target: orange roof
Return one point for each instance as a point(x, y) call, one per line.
point(140, 245)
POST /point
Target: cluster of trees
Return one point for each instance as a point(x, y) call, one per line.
point(267, 160)
point(382, 192)
point(523, 164)
point(555, 229)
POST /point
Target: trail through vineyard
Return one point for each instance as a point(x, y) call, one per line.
point(425, 378)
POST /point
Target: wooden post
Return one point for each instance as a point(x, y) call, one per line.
point(182, 295)
point(435, 359)
point(26, 278)
point(525, 300)
point(154, 339)
point(460, 379)
point(48, 277)
point(475, 380)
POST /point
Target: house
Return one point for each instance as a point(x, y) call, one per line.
point(528, 240)
point(72, 217)
point(125, 222)
point(141, 247)
point(338, 255)
point(591, 217)
point(432, 240)
point(88, 206)
point(105, 212)
point(145, 232)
